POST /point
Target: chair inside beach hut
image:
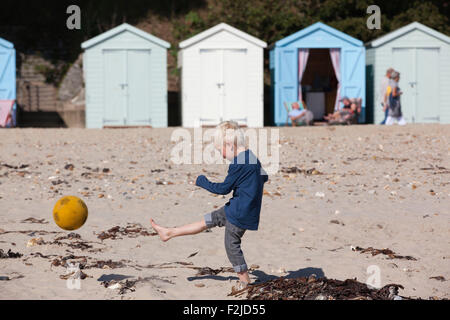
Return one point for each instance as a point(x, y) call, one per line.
point(307, 116)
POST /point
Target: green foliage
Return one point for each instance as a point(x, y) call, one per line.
point(54, 74)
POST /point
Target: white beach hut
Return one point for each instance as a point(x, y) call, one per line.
point(222, 78)
point(422, 56)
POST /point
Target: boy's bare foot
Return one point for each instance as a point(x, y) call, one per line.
point(163, 233)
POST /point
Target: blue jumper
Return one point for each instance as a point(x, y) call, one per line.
point(246, 179)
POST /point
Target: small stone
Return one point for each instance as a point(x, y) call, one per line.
point(115, 286)
point(34, 242)
point(199, 285)
point(320, 194)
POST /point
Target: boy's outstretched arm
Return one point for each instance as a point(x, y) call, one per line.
point(220, 188)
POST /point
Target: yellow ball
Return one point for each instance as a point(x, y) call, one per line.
point(70, 213)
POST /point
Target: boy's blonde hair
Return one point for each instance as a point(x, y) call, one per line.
point(229, 131)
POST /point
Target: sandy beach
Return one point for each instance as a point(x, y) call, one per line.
point(338, 188)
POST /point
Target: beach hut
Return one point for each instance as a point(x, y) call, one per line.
point(318, 65)
point(222, 71)
point(125, 71)
point(8, 106)
point(422, 56)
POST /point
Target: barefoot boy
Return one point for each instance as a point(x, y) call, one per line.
point(246, 179)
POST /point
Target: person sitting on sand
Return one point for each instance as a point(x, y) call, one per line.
point(246, 179)
point(298, 116)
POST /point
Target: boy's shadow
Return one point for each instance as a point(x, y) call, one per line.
point(261, 276)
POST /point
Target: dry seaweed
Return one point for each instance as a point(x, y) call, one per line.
point(437, 169)
point(10, 254)
point(82, 245)
point(193, 254)
point(70, 236)
point(5, 278)
point(318, 289)
point(38, 254)
point(79, 244)
point(62, 261)
point(207, 271)
point(75, 275)
point(23, 166)
point(439, 278)
point(131, 231)
point(130, 285)
point(388, 252)
point(31, 233)
point(309, 172)
point(34, 220)
point(85, 262)
point(108, 264)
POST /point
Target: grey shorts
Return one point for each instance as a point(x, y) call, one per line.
point(233, 235)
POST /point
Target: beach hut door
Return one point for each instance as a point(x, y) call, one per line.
point(116, 87)
point(286, 79)
point(404, 61)
point(419, 82)
point(211, 86)
point(353, 82)
point(139, 88)
point(223, 86)
point(235, 86)
point(127, 83)
point(7, 72)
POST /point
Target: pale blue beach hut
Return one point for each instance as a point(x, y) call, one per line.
point(125, 71)
point(8, 105)
point(318, 65)
point(422, 56)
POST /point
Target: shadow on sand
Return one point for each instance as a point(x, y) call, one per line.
point(261, 276)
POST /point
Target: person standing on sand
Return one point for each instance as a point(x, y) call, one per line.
point(383, 96)
point(246, 179)
point(395, 108)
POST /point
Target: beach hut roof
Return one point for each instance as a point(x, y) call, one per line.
point(408, 28)
point(6, 44)
point(221, 27)
point(124, 27)
point(314, 27)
